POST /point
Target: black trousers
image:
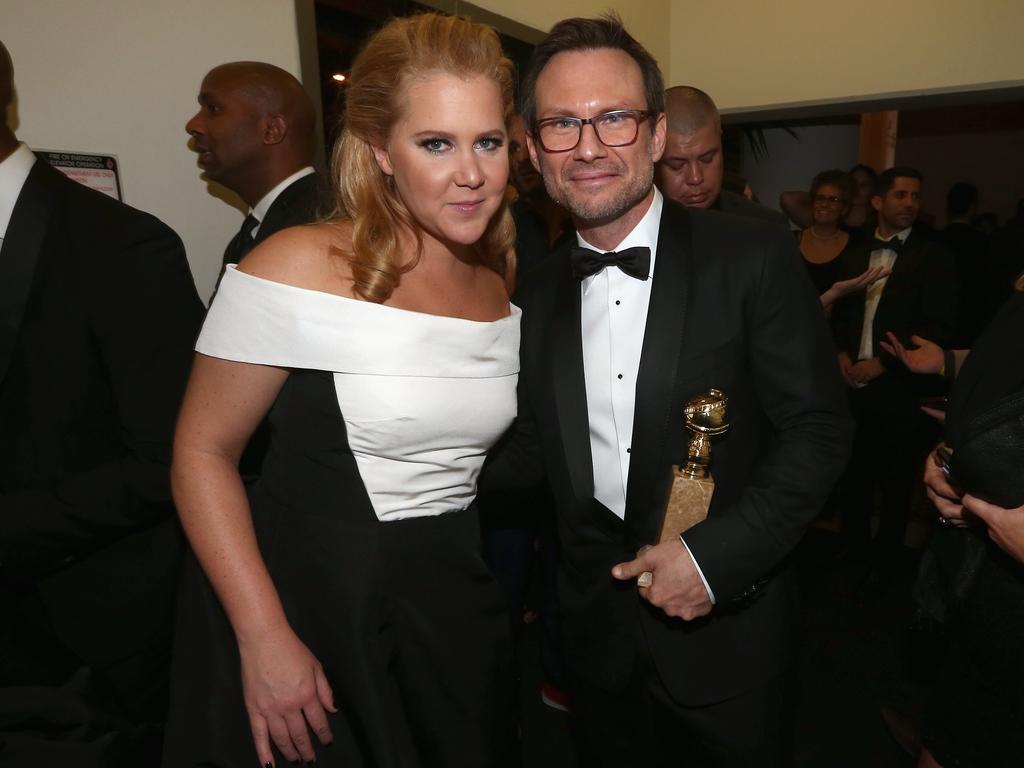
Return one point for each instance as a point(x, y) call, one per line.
point(644, 726)
point(885, 456)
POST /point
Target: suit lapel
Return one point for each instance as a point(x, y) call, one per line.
point(659, 363)
point(19, 256)
point(569, 382)
point(280, 214)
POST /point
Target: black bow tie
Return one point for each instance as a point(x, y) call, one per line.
point(895, 244)
point(635, 262)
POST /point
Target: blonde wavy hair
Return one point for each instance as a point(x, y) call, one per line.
point(404, 48)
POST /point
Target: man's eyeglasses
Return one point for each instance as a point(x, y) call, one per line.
point(833, 199)
point(613, 129)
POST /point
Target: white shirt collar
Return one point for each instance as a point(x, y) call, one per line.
point(13, 171)
point(645, 233)
point(903, 234)
point(259, 211)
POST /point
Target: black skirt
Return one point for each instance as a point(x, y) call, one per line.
point(404, 616)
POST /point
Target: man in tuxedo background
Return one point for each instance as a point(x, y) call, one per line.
point(98, 315)
point(698, 666)
point(919, 298)
point(254, 133)
point(692, 168)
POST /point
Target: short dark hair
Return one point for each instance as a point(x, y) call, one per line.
point(867, 169)
point(836, 178)
point(888, 177)
point(588, 35)
point(961, 197)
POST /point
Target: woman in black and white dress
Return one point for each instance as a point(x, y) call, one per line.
point(342, 598)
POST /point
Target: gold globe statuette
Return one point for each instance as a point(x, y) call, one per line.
point(692, 483)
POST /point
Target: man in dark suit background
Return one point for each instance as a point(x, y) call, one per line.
point(254, 133)
point(698, 666)
point(970, 249)
point(98, 315)
point(918, 298)
point(692, 168)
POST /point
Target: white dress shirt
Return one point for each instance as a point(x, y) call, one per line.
point(881, 257)
point(14, 170)
point(613, 314)
point(259, 211)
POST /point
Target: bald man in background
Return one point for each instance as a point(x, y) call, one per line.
point(691, 170)
point(255, 134)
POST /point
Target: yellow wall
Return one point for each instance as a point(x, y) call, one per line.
point(645, 19)
point(751, 54)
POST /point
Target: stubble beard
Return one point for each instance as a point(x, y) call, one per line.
point(596, 211)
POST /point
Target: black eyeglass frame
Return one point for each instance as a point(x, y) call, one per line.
point(640, 115)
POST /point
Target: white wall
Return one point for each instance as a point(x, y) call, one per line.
point(121, 77)
point(793, 162)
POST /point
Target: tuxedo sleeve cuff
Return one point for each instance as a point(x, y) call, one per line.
point(711, 595)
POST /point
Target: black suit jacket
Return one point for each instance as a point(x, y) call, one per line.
point(298, 203)
point(919, 297)
point(100, 313)
point(738, 205)
point(731, 307)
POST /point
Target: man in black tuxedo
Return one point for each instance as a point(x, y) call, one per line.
point(692, 167)
point(919, 298)
point(697, 666)
point(98, 315)
point(254, 133)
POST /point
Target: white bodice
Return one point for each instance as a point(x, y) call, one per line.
point(423, 396)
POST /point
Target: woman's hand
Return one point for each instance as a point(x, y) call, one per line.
point(1005, 526)
point(942, 494)
point(285, 688)
point(928, 357)
point(841, 288)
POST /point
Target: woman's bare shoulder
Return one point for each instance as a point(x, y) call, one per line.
point(309, 256)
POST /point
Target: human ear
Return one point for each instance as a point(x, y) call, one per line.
point(383, 159)
point(275, 128)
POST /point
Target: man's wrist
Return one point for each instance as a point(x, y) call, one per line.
point(700, 573)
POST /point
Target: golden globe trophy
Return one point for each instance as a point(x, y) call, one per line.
point(692, 483)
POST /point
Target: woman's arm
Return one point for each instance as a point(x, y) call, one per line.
point(842, 288)
point(283, 683)
point(1005, 526)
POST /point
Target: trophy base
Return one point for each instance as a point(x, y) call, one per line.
point(688, 504)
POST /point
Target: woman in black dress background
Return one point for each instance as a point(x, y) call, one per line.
point(826, 240)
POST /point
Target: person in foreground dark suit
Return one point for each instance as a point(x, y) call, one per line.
point(254, 133)
point(682, 669)
point(919, 298)
point(692, 168)
point(98, 314)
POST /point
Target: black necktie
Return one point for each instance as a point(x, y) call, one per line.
point(244, 240)
point(895, 245)
point(635, 262)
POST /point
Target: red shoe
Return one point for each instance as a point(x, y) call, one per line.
point(555, 698)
